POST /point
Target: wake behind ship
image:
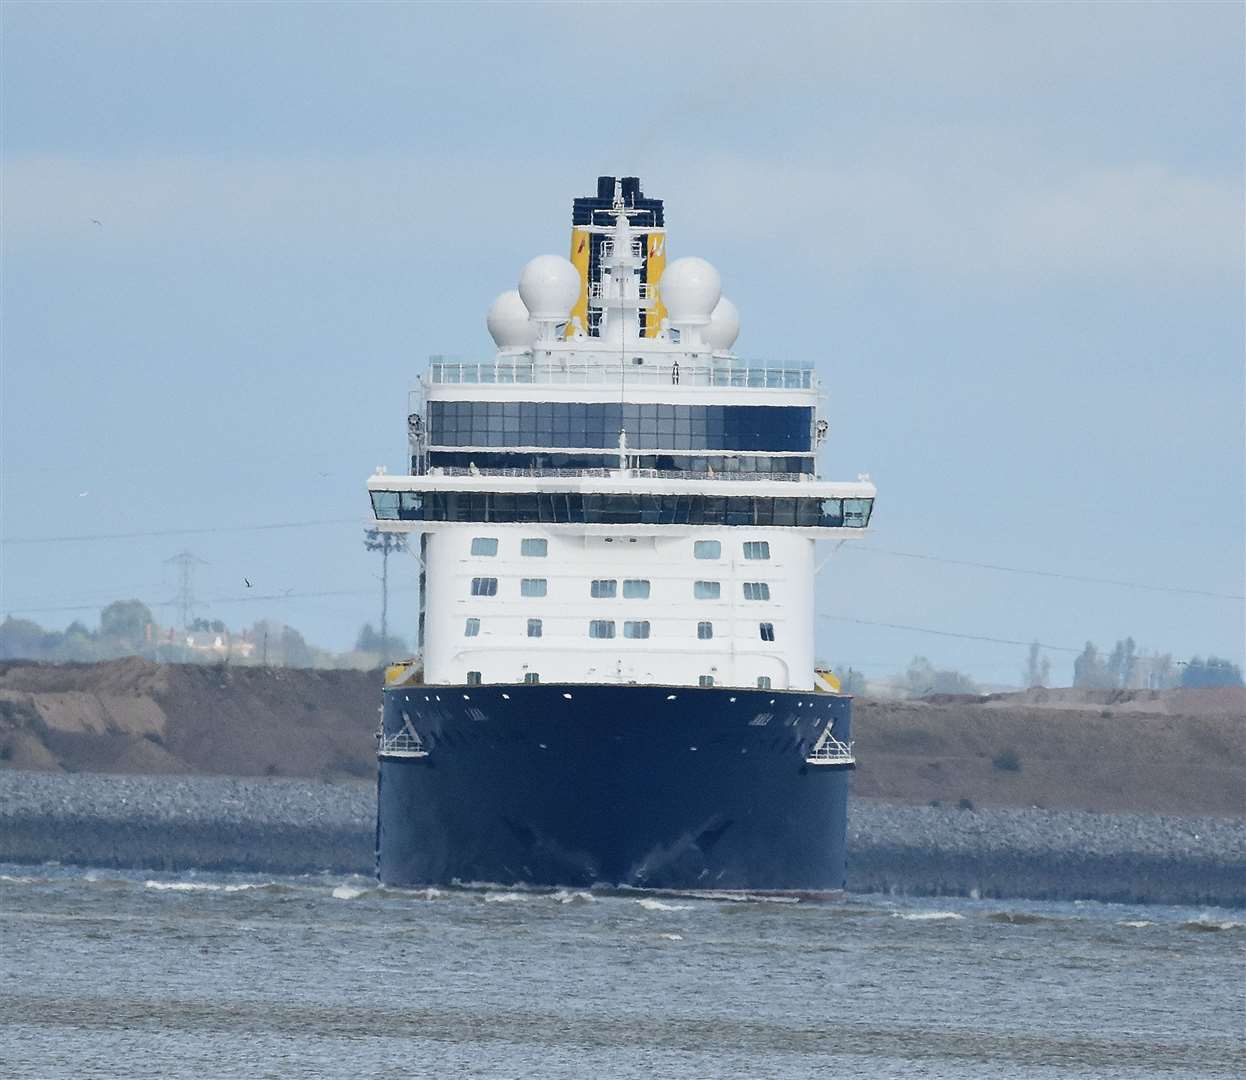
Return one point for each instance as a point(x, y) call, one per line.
point(615, 518)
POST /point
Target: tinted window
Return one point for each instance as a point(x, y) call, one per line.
point(635, 589)
point(635, 629)
point(635, 509)
point(767, 631)
point(471, 628)
point(604, 587)
point(601, 628)
point(534, 547)
point(473, 678)
point(756, 590)
point(484, 586)
point(532, 586)
point(484, 545)
point(534, 628)
point(757, 549)
point(763, 682)
point(705, 630)
point(706, 590)
point(531, 677)
point(705, 680)
point(707, 549)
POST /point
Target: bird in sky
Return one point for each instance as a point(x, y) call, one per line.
point(96, 221)
point(248, 582)
point(83, 494)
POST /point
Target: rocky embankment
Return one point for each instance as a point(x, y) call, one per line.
point(1122, 795)
point(299, 826)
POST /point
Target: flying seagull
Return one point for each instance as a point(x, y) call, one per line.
point(96, 221)
point(248, 581)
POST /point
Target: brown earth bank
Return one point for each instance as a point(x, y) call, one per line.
point(1170, 752)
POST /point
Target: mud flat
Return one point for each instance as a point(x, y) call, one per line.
point(300, 826)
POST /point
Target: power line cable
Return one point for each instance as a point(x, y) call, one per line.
point(948, 633)
point(107, 536)
point(1052, 574)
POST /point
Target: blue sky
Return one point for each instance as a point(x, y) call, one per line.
point(1009, 235)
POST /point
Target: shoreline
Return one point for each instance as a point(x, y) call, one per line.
point(286, 826)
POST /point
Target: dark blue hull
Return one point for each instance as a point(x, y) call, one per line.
point(625, 786)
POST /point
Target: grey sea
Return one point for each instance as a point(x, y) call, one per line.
point(115, 974)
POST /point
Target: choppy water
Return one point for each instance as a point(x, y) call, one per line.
point(104, 974)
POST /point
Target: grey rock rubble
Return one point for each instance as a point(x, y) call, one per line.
point(297, 826)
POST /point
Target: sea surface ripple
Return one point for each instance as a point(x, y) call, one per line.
point(108, 973)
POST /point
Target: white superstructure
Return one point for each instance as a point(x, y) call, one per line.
point(623, 502)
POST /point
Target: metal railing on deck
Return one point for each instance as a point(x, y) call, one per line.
point(829, 750)
point(562, 370)
point(403, 744)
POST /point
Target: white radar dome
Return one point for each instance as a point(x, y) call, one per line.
point(549, 286)
point(690, 287)
point(724, 326)
point(508, 322)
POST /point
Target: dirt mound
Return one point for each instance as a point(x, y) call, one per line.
point(1022, 752)
point(134, 716)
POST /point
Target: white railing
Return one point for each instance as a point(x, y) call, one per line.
point(403, 744)
point(607, 249)
point(557, 371)
point(598, 295)
point(829, 750)
point(642, 474)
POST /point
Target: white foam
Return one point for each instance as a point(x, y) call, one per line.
point(927, 916)
point(347, 892)
point(506, 897)
point(658, 905)
point(671, 937)
point(8, 879)
point(1135, 924)
point(201, 886)
point(565, 897)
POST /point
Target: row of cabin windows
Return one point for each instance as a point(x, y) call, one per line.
point(534, 547)
point(604, 628)
point(538, 547)
point(608, 588)
point(532, 678)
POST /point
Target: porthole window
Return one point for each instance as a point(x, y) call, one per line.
point(635, 589)
point(601, 628)
point(707, 549)
point(533, 586)
point(534, 547)
point(705, 631)
point(471, 628)
point(706, 590)
point(757, 549)
point(484, 545)
point(636, 629)
point(756, 590)
point(767, 631)
point(604, 588)
point(484, 586)
point(534, 628)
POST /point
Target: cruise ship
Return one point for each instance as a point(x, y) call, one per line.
point(616, 520)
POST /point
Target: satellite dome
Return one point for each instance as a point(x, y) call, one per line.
point(508, 322)
point(724, 326)
point(690, 287)
point(549, 286)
